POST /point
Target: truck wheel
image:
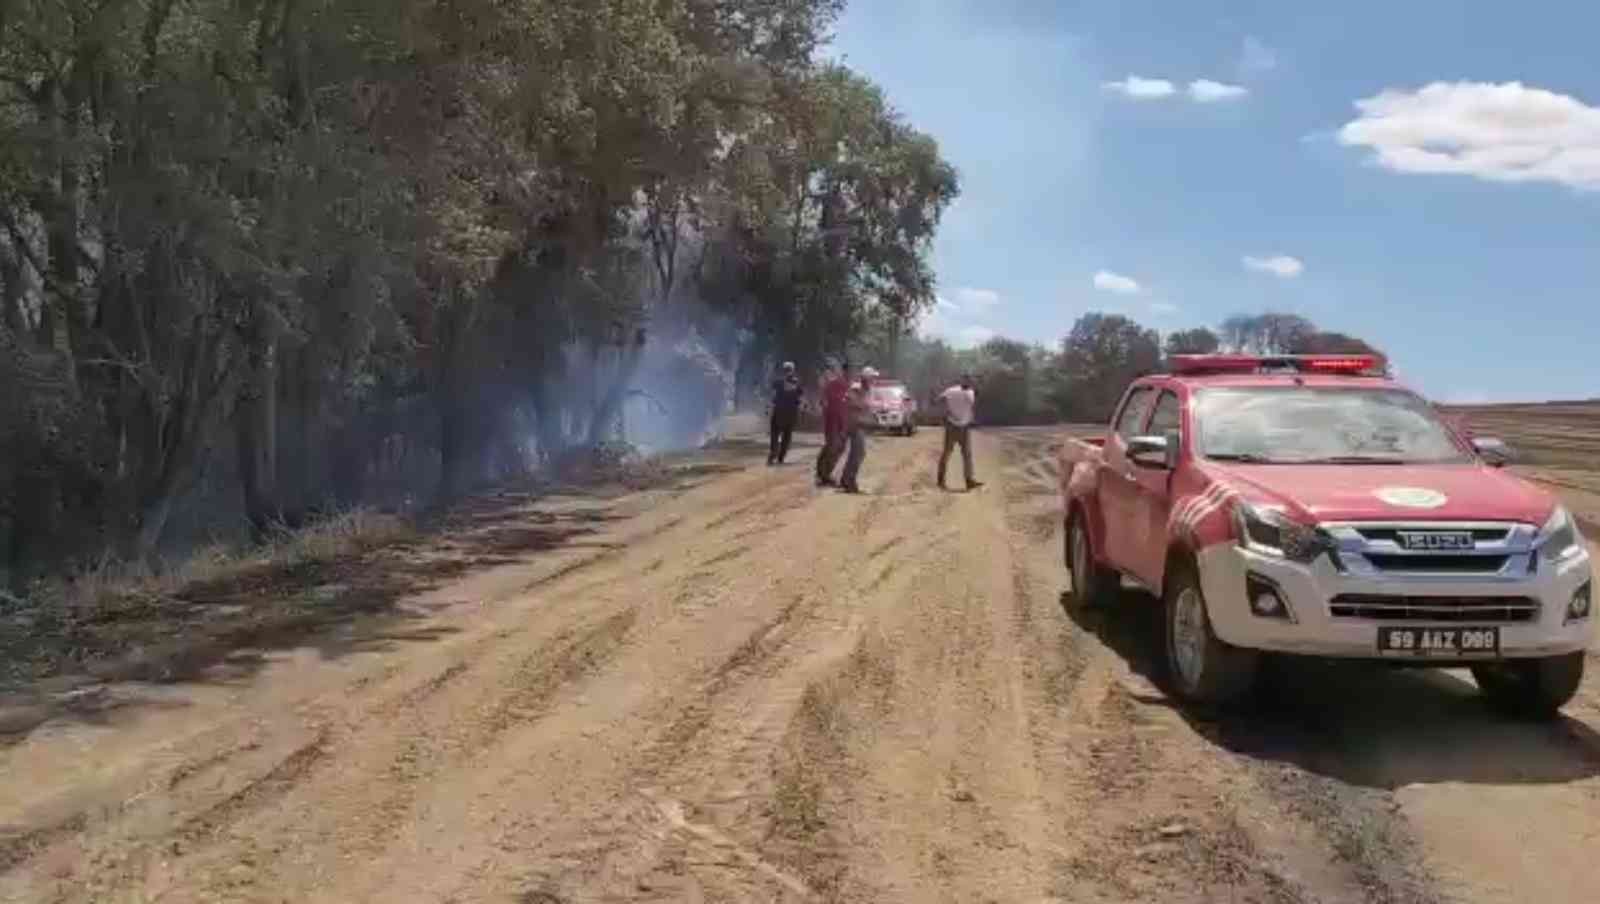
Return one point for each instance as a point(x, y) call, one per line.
point(1531, 688)
point(1203, 669)
point(1093, 585)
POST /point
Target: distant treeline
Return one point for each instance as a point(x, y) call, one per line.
point(1082, 379)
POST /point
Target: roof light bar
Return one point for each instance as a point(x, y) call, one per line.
point(1351, 365)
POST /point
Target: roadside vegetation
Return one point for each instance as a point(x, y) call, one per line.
point(1082, 378)
point(265, 261)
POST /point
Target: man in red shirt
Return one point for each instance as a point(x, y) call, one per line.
point(835, 415)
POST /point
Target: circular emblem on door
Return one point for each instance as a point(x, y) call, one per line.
point(1411, 497)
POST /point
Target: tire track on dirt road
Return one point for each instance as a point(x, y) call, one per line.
point(763, 691)
point(598, 739)
point(407, 698)
point(713, 773)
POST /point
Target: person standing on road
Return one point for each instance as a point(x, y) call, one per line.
point(786, 392)
point(959, 403)
point(860, 412)
point(835, 392)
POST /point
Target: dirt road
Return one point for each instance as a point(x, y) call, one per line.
point(740, 688)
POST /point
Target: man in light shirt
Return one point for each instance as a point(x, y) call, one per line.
point(860, 413)
point(958, 402)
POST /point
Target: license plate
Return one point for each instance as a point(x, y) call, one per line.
point(1439, 641)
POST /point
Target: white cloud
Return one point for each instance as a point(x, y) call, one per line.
point(1106, 281)
point(1163, 307)
point(1143, 88)
point(1279, 265)
point(976, 299)
point(969, 336)
point(1201, 91)
point(1505, 132)
point(1206, 91)
point(945, 321)
point(1257, 57)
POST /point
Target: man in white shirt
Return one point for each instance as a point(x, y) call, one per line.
point(958, 402)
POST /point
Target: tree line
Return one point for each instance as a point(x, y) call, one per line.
point(261, 258)
point(1083, 378)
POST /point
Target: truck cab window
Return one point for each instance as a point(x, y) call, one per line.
point(1168, 416)
point(1134, 411)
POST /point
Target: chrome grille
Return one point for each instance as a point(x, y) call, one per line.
point(1437, 609)
point(1392, 534)
point(1500, 551)
point(1436, 563)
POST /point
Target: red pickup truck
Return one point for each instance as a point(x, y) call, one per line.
point(1310, 505)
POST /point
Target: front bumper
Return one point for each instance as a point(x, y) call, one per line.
point(1313, 629)
point(890, 419)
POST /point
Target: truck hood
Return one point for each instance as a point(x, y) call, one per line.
point(1321, 493)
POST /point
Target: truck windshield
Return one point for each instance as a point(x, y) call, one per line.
point(1306, 425)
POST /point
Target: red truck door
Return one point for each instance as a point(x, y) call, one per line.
point(1152, 498)
point(1119, 480)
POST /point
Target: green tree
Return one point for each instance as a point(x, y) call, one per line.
point(1197, 341)
point(258, 258)
point(1265, 334)
point(1099, 357)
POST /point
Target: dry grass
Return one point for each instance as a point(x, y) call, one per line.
point(222, 612)
point(113, 610)
point(109, 589)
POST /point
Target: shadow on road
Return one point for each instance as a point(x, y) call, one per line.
point(1363, 724)
point(96, 666)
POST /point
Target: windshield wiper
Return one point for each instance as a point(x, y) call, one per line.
point(1246, 457)
point(1356, 460)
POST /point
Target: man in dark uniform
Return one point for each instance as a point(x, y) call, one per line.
point(786, 394)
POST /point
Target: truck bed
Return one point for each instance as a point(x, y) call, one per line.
point(1079, 448)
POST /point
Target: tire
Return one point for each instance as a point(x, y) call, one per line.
point(1531, 688)
point(1093, 584)
point(1202, 668)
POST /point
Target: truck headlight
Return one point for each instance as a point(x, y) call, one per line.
point(1578, 609)
point(1275, 534)
point(1558, 539)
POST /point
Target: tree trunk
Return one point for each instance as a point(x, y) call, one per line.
point(548, 421)
point(174, 448)
point(605, 411)
point(894, 345)
point(457, 440)
point(452, 383)
point(11, 292)
point(62, 296)
point(256, 424)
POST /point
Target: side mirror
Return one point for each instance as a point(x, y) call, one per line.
point(1150, 451)
point(1493, 450)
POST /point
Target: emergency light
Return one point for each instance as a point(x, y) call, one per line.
point(1350, 365)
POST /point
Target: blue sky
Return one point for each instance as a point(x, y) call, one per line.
point(1131, 155)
